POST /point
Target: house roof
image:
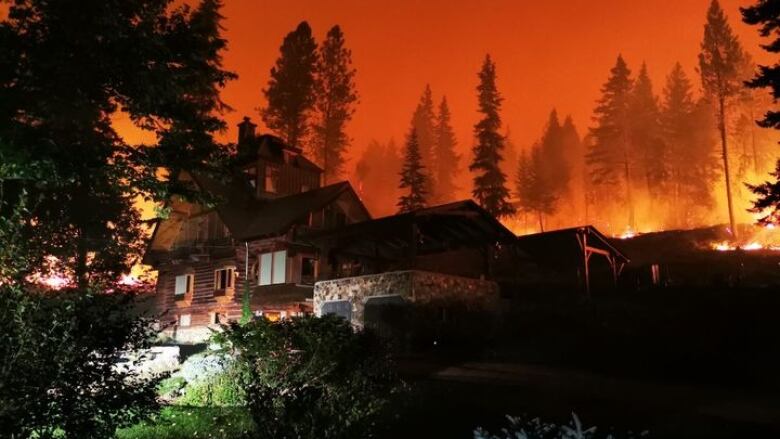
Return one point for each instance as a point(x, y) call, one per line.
point(562, 247)
point(272, 149)
point(447, 226)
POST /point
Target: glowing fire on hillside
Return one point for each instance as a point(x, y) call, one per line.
point(766, 238)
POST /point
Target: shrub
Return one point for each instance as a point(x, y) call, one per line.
point(61, 364)
point(312, 377)
point(193, 423)
point(524, 428)
point(220, 389)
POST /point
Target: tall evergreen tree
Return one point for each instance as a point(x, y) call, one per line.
point(766, 14)
point(335, 104)
point(446, 163)
point(159, 63)
point(534, 192)
point(645, 134)
point(575, 162)
point(719, 66)
point(511, 157)
point(290, 89)
point(554, 171)
point(686, 129)
point(490, 182)
point(610, 159)
point(424, 123)
point(413, 177)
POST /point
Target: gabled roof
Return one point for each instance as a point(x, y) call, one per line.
point(453, 225)
point(276, 216)
point(562, 247)
point(272, 149)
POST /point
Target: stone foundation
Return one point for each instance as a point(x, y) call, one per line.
point(414, 286)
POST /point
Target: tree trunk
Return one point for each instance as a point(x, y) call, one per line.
point(724, 146)
point(753, 141)
point(541, 222)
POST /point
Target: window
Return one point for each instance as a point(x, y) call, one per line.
point(273, 268)
point(216, 318)
point(184, 285)
point(251, 175)
point(305, 188)
point(185, 319)
point(223, 279)
point(308, 270)
point(270, 179)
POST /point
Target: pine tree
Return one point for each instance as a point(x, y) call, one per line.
point(554, 170)
point(511, 157)
point(766, 14)
point(575, 161)
point(490, 182)
point(686, 129)
point(424, 122)
point(719, 66)
point(59, 121)
point(413, 177)
point(535, 194)
point(610, 159)
point(645, 134)
point(446, 163)
point(335, 104)
point(290, 89)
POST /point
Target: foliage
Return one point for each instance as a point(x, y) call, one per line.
point(312, 376)
point(445, 168)
point(610, 158)
point(66, 76)
point(413, 176)
point(768, 202)
point(645, 135)
point(489, 182)
point(524, 428)
point(171, 386)
point(222, 389)
point(687, 131)
point(766, 14)
point(176, 422)
point(334, 104)
point(721, 61)
point(424, 124)
point(290, 89)
point(62, 365)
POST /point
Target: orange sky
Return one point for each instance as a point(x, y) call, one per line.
point(549, 53)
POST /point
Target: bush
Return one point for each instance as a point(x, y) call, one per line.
point(523, 428)
point(193, 423)
point(312, 377)
point(220, 389)
point(61, 364)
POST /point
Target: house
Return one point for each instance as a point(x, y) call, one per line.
point(574, 258)
point(205, 255)
point(450, 258)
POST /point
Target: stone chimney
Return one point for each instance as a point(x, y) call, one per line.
point(246, 130)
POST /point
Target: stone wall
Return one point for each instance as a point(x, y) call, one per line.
point(414, 286)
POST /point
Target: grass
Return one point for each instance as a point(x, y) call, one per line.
point(180, 422)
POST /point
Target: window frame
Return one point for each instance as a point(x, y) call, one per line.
point(230, 280)
point(189, 286)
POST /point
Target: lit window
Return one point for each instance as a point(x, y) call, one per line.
point(223, 279)
point(273, 268)
point(184, 285)
point(185, 319)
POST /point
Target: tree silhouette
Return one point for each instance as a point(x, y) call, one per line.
point(335, 104)
point(290, 89)
point(719, 66)
point(766, 14)
point(610, 157)
point(424, 123)
point(66, 75)
point(413, 177)
point(446, 163)
point(490, 182)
